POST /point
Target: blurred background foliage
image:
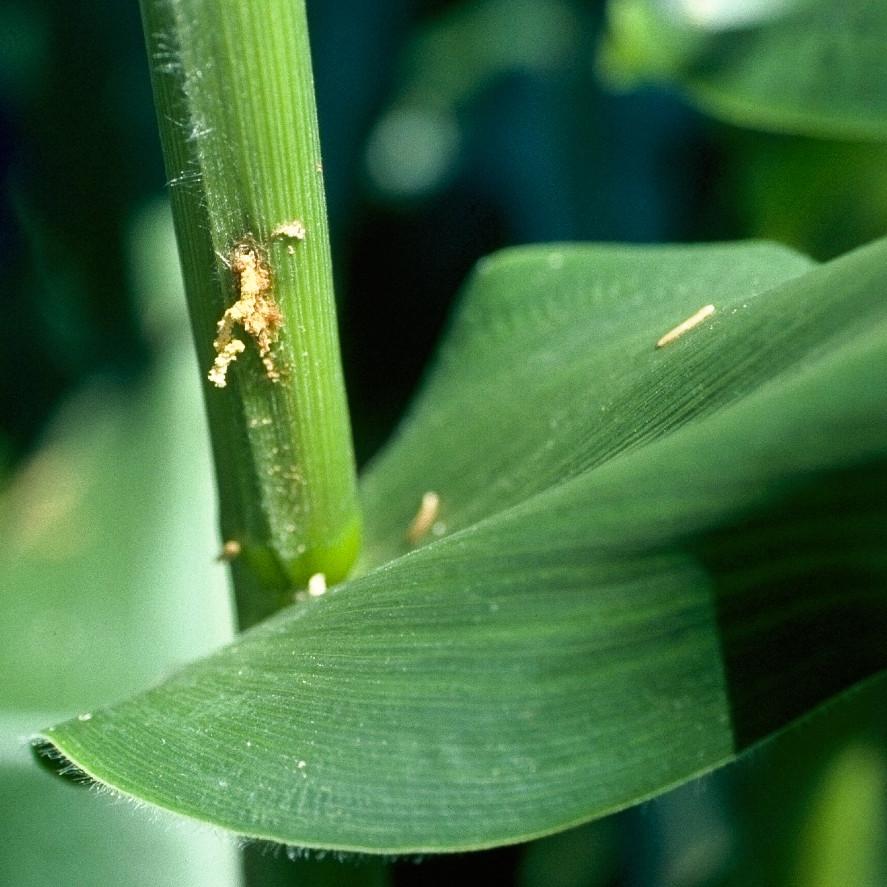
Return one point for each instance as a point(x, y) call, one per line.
point(449, 129)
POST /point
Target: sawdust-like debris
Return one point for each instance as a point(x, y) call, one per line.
point(255, 311)
point(294, 230)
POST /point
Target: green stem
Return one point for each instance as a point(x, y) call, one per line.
point(235, 103)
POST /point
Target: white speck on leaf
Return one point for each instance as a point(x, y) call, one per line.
point(317, 585)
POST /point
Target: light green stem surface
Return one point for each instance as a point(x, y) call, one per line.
point(235, 101)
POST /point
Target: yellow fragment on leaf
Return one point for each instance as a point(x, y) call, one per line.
point(230, 550)
point(425, 517)
point(687, 325)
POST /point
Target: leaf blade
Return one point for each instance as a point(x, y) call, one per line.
point(799, 66)
point(582, 647)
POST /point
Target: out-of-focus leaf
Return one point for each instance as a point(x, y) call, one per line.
point(808, 66)
point(109, 546)
point(109, 582)
point(788, 805)
point(819, 196)
point(586, 856)
point(845, 836)
point(644, 561)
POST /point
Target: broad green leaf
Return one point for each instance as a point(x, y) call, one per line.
point(808, 66)
point(645, 560)
point(550, 370)
point(108, 581)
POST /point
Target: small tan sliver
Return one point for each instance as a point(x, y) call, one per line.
point(676, 333)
